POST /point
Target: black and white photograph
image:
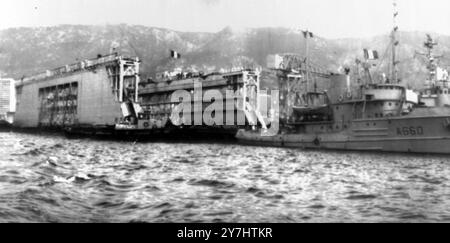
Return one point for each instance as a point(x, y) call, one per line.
point(224, 111)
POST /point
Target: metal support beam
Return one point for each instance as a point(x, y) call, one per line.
point(121, 74)
point(138, 79)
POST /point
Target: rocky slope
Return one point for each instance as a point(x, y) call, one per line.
point(28, 50)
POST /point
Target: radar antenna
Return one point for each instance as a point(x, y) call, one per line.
point(432, 59)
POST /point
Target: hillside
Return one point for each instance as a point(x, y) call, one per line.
point(28, 50)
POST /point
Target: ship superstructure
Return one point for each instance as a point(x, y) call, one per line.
point(436, 92)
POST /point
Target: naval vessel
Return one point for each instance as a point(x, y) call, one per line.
point(436, 91)
point(337, 113)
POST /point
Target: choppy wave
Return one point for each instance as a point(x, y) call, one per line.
point(46, 178)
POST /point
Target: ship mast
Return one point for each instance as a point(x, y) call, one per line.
point(307, 34)
point(395, 43)
point(429, 45)
point(431, 58)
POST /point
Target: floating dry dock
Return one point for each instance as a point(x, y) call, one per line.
point(106, 95)
point(89, 94)
point(156, 100)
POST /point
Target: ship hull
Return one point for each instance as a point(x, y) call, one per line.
point(409, 134)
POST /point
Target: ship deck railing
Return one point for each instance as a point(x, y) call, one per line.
point(311, 123)
point(70, 68)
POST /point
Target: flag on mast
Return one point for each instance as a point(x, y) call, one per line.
point(175, 54)
point(370, 54)
point(307, 34)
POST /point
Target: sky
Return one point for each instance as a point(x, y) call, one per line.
point(327, 18)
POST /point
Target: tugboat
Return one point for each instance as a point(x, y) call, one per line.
point(373, 116)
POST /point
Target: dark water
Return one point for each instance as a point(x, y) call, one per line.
point(45, 178)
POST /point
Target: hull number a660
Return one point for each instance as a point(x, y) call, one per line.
point(409, 131)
